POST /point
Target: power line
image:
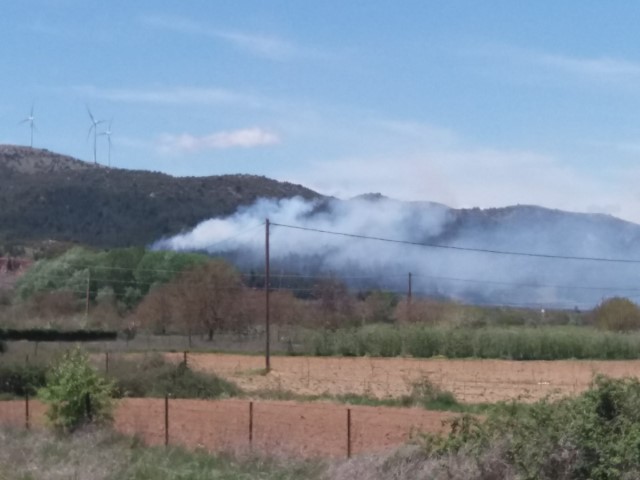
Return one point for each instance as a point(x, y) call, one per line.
point(465, 249)
point(61, 276)
point(531, 285)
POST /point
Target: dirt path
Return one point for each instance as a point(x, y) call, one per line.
point(469, 380)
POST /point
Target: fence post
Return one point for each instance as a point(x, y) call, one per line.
point(348, 433)
point(87, 406)
point(106, 362)
point(185, 358)
point(166, 419)
point(250, 424)
point(26, 410)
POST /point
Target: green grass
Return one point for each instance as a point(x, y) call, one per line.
point(514, 343)
point(423, 394)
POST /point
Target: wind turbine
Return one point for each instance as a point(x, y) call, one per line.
point(107, 133)
point(94, 128)
point(31, 121)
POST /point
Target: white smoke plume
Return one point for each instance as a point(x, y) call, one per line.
point(468, 276)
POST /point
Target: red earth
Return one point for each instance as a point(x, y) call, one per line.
point(279, 427)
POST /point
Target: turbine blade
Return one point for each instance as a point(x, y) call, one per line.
point(91, 116)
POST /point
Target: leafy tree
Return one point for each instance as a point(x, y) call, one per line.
point(617, 313)
point(75, 393)
point(162, 266)
point(115, 269)
point(68, 271)
point(129, 273)
point(379, 306)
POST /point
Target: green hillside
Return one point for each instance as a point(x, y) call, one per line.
point(45, 196)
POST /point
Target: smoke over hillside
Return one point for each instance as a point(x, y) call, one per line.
point(478, 277)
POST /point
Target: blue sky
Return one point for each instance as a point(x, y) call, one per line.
point(462, 102)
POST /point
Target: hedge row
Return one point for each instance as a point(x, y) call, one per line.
point(51, 335)
point(518, 343)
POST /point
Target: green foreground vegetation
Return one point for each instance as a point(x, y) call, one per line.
point(594, 436)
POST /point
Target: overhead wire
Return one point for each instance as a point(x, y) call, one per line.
point(291, 276)
point(460, 248)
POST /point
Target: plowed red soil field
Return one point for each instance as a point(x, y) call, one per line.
point(473, 381)
point(278, 428)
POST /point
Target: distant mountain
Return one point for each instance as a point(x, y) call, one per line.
point(39, 161)
point(47, 196)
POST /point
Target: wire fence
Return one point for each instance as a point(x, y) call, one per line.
point(278, 428)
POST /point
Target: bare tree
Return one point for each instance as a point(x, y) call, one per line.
point(336, 306)
point(157, 309)
point(210, 296)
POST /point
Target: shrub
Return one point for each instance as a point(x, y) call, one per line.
point(594, 436)
point(428, 395)
point(617, 313)
point(380, 341)
point(19, 379)
point(155, 377)
point(75, 393)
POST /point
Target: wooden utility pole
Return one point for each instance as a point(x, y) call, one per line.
point(267, 282)
point(409, 295)
point(86, 308)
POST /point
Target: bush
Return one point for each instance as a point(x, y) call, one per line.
point(75, 393)
point(427, 395)
point(617, 313)
point(595, 436)
point(20, 379)
point(155, 377)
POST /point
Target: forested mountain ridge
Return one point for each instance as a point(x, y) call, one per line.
point(46, 196)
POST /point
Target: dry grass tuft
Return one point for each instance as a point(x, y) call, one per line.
point(90, 454)
point(411, 463)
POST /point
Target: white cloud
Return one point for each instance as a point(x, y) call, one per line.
point(180, 96)
point(262, 45)
point(600, 67)
point(266, 46)
point(603, 67)
point(187, 143)
point(466, 177)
